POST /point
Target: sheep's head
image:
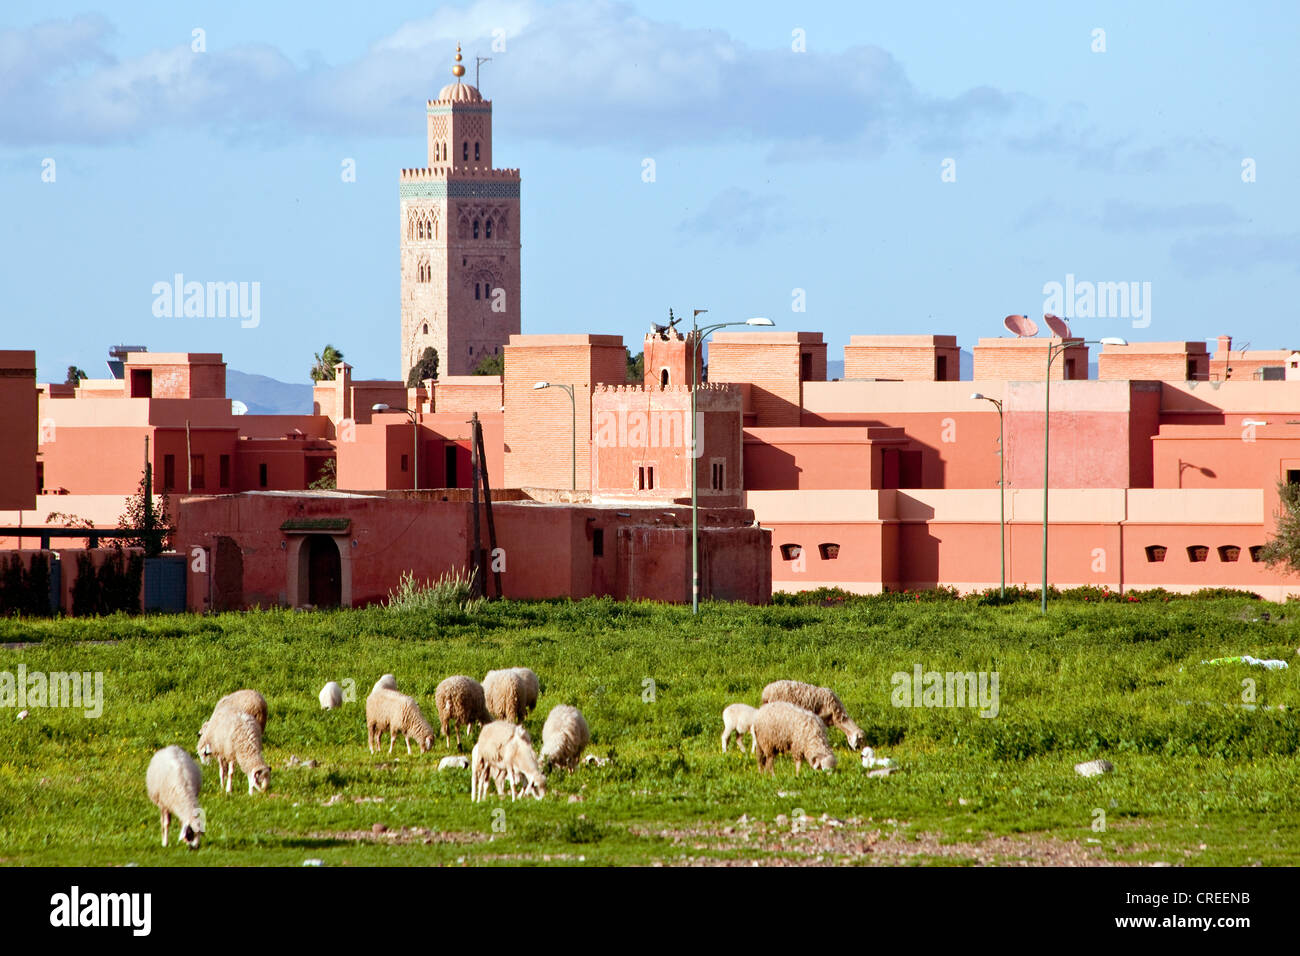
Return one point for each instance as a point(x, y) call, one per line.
point(857, 737)
point(260, 779)
point(537, 785)
point(823, 761)
point(204, 748)
point(192, 830)
point(426, 743)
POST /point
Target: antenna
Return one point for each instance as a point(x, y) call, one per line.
point(479, 61)
point(1021, 325)
point(1057, 325)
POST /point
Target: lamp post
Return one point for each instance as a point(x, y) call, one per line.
point(574, 447)
point(697, 335)
point(1002, 492)
point(1053, 350)
point(415, 435)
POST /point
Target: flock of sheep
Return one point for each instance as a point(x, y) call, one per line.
point(793, 720)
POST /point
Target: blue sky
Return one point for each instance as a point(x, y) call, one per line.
point(776, 170)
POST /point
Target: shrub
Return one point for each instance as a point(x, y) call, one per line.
point(451, 590)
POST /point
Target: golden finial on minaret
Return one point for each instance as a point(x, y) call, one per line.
point(458, 71)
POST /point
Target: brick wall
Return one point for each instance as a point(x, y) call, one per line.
point(1025, 360)
point(771, 362)
point(907, 358)
point(1155, 361)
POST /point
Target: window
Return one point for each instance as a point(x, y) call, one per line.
point(475, 228)
point(941, 368)
point(261, 475)
point(650, 477)
point(487, 229)
point(142, 383)
point(464, 151)
point(1257, 552)
point(1069, 368)
point(598, 543)
point(1197, 552)
point(169, 472)
point(1156, 553)
point(197, 479)
point(426, 328)
point(1293, 476)
point(805, 366)
point(224, 467)
point(476, 151)
point(1229, 552)
point(663, 379)
point(829, 551)
point(404, 462)
point(476, 295)
point(790, 552)
point(719, 477)
point(640, 478)
point(40, 477)
point(1191, 370)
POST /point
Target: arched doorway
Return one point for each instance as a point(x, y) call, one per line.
point(324, 571)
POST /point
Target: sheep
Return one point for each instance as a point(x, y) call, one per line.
point(453, 763)
point(247, 701)
point(822, 701)
point(174, 781)
point(738, 719)
point(781, 727)
point(387, 682)
point(235, 738)
point(398, 714)
point(510, 694)
point(504, 751)
point(564, 736)
point(331, 696)
point(460, 703)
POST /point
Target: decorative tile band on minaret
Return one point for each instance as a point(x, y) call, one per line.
point(459, 238)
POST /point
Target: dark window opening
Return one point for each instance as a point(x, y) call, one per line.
point(224, 468)
point(640, 478)
point(1197, 552)
point(1156, 552)
point(598, 543)
point(663, 378)
point(449, 460)
point(40, 477)
point(1229, 552)
point(169, 472)
point(1191, 370)
point(476, 295)
point(1069, 368)
point(805, 366)
point(829, 551)
point(142, 383)
point(261, 476)
point(650, 478)
point(405, 462)
point(475, 228)
point(719, 477)
point(464, 150)
point(426, 328)
point(197, 478)
point(1293, 476)
point(941, 368)
point(1257, 552)
point(476, 151)
point(790, 551)
point(487, 229)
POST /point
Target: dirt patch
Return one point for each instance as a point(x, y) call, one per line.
point(398, 837)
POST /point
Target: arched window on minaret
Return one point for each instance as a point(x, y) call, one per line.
point(487, 229)
point(663, 379)
point(475, 228)
point(426, 328)
point(476, 295)
point(464, 151)
point(476, 152)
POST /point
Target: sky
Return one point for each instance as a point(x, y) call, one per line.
point(844, 168)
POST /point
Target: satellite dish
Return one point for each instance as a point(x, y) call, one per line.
point(1057, 325)
point(1021, 325)
point(237, 407)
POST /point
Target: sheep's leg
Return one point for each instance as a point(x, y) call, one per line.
point(166, 825)
point(726, 734)
point(408, 743)
point(753, 742)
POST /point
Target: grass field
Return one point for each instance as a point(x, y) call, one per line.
point(1199, 778)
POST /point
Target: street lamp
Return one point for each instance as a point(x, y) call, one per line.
point(1053, 350)
point(697, 334)
point(574, 448)
point(1002, 491)
point(415, 435)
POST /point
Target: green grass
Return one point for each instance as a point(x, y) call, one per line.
point(1199, 779)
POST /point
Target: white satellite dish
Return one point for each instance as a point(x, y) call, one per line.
point(237, 407)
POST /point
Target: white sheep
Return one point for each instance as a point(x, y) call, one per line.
point(504, 752)
point(174, 781)
point(331, 696)
point(738, 719)
point(398, 714)
point(510, 694)
point(822, 701)
point(246, 701)
point(461, 704)
point(235, 739)
point(459, 762)
point(564, 737)
point(387, 682)
point(781, 727)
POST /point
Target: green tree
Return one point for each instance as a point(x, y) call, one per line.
point(635, 367)
point(323, 370)
point(425, 368)
point(140, 514)
point(1285, 546)
point(75, 375)
point(491, 365)
point(328, 476)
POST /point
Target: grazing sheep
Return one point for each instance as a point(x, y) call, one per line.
point(781, 727)
point(387, 682)
point(235, 738)
point(453, 763)
point(173, 781)
point(245, 701)
point(822, 701)
point(510, 694)
point(461, 704)
point(564, 736)
point(504, 752)
point(738, 719)
point(331, 696)
point(398, 714)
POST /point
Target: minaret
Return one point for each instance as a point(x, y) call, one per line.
point(459, 238)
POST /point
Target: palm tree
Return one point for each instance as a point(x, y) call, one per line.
point(323, 370)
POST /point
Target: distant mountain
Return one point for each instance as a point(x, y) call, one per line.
point(966, 365)
point(268, 396)
point(834, 370)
